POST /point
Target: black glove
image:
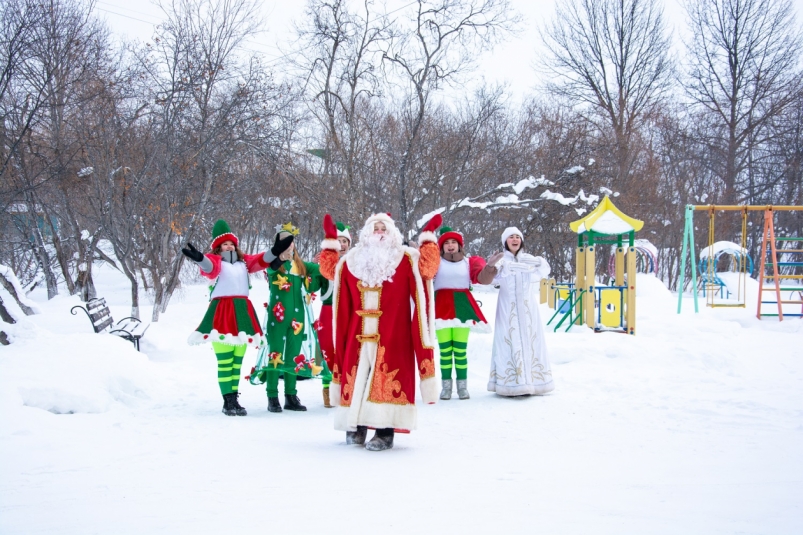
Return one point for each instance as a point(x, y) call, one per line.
point(281, 245)
point(275, 264)
point(192, 253)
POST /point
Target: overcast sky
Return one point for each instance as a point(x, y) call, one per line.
point(510, 63)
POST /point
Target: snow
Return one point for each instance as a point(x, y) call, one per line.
point(647, 245)
point(691, 426)
point(608, 223)
point(575, 169)
point(719, 246)
point(549, 195)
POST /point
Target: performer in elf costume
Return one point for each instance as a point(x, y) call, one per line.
point(230, 323)
point(324, 324)
point(291, 348)
point(382, 328)
point(456, 310)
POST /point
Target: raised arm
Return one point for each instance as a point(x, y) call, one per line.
point(330, 249)
point(430, 258)
point(208, 264)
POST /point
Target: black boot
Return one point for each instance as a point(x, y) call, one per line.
point(228, 410)
point(383, 440)
point(292, 403)
point(238, 409)
point(358, 436)
point(273, 405)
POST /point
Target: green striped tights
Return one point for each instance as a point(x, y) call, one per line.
point(453, 341)
point(229, 362)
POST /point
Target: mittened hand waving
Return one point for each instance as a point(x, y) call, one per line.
point(280, 245)
point(192, 253)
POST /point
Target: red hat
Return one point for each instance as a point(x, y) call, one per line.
point(449, 234)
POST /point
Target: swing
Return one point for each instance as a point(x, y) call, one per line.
point(712, 284)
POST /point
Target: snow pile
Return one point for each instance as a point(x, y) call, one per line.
point(720, 246)
point(78, 373)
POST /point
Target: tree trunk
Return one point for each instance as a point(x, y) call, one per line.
point(5, 315)
point(44, 263)
point(28, 311)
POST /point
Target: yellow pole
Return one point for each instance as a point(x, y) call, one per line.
point(620, 266)
point(631, 290)
point(544, 291)
point(580, 279)
point(590, 309)
point(551, 294)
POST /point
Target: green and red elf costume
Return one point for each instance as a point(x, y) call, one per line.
point(290, 350)
point(323, 326)
point(456, 310)
point(230, 323)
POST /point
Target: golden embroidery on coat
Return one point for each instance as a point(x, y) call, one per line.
point(348, 388)
point(384, 386)
point(426, 369)
point(421, 309)
point(336, 375)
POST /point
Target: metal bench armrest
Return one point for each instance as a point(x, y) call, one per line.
point(73, 312)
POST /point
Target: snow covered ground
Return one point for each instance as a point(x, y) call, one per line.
point(695, 425)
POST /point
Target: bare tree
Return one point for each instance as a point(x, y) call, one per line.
point(212, 101)
point(341, 77)
point(438, 44)
point(611, 56)
point(744, 70)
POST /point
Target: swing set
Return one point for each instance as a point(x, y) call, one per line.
point(770, 275)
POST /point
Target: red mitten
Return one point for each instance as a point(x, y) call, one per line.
point(329, 228)
point(433, 223)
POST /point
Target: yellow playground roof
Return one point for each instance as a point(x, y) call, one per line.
point(606, 219)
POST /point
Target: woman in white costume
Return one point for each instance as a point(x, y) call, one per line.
point(520, 364)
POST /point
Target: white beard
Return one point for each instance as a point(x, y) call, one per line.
point(374, 260)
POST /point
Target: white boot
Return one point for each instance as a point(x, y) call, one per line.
point(446, 393)
point(462, 389)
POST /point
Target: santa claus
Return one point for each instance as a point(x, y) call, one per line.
point(383, 329)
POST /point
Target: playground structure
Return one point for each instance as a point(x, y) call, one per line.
point(768, 263)
point(646, 258)
point(711, 284)
point(600, 307)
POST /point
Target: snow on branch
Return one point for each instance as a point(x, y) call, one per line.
point(507, 195)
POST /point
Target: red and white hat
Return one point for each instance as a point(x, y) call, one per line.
point(222, 233)
point(446, 233)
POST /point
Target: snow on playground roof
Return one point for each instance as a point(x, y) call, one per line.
point(606, 219)
point(720, 246)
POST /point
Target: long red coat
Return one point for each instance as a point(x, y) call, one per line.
point(382, 337)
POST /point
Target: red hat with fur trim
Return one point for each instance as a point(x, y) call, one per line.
point(448, 234)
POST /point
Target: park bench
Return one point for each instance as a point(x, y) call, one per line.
point(129, 328)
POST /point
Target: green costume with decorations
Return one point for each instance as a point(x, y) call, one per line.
point(292, 347)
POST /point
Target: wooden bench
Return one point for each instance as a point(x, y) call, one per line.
point(129, 328)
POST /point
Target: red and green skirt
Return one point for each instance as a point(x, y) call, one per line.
point(458, 308)
point(229, 320)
